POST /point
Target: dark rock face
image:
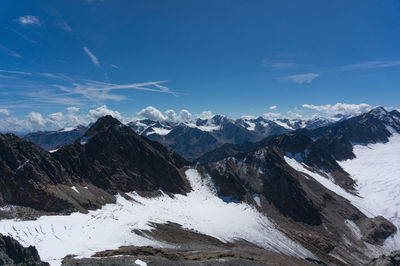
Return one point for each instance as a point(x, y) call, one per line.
point(227, 150)
point(109, 158)
point(26, 172)
point(51, 140)
point(187, 141)
point(113, 157)
point(377, 230)
point(264, 172)
point(12, 253)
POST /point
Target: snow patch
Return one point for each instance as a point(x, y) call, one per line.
point(251, 126)
point(256, 198)
point(113, 225)
point(353, 228)
point(74, 188)
point(22, 165)
point(140, 263)
point(67, 129)
point(376, 169)
point(160, 131)
point(282, 124)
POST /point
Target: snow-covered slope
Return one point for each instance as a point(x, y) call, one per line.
point(376, 169)
point(113, 225)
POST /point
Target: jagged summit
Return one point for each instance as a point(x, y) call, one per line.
point(103, 123)
point(378, 112)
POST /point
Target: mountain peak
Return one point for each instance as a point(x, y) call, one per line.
point(102, 124)
point(378, 112)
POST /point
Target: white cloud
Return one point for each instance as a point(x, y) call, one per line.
point(271, 115)
point(273, 107)
point(56, 116)
point(206, 115)
point(151, 113)
point(340, 108)
point(29, 20)
point(370, 65)
point(248, 117)
point(102, 111)
point(301, 78)
point(184, 115)
point(92, 57)
point(294, 115)
point(170, 115)
point(72, 109)
point(4, 111)
point(36, 119)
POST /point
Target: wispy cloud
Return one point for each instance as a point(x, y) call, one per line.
point(301, 78)
point(106, 77)
point(16, 72)
point(10, 52)
point(268, 63)
point(102, 91)
point(273, 107)
point(114, 66)
point(370, 64)
point(65, 26)
point(29, 20)
point(23, 36)
point(42, 88)
point(92, 57)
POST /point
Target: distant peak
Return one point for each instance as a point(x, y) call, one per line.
point(378, 112)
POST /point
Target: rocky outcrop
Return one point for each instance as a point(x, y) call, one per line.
point(26, 174)
point(264, 172)
point(12, 253)
point(377, 229)
point(114, 158)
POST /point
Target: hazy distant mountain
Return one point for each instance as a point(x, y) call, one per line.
point(190, 139)
point(51, 140)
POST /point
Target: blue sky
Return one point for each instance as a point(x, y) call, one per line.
point(229, 56)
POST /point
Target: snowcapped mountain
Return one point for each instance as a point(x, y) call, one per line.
point(326, 194)
point(205, 135)
point(191, 139)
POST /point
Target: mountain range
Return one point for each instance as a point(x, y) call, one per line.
point(191, 139)
point(248, 191)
